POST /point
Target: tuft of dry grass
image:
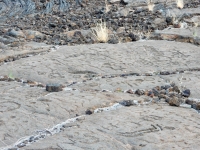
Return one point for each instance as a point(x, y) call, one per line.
point(180, 3)
point(101, 32)
point(195, 24)
point(150, 5)
point(106, 6)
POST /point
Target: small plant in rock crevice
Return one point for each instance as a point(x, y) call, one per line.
point(150, 5)
point(194, 33)
point(196, 24)
point(10, 75)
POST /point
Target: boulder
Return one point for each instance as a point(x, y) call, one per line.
point(16, 34)
point(124, 12)
point(31, 34)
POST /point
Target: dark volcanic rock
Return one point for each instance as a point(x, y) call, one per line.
point(190, 102)
point(155, 92)
point(176, 89)
point(89, 111)
point(169, 20)
point(198, 106)
point(53, 87)
point(151, 94)
point(126, 21)
point(186, 93)
point(113, 41)
point(139, 92)
point(165, 73)
point(134, 37)
point(15, 33)
point(174, 101)
point(127, 102)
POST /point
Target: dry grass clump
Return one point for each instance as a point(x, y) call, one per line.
point(106, 6)
point(196, 24)
point(150, 5)
point(101, 32)
point(195, 21)
point(180, 3)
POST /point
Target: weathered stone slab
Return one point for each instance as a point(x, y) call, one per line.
point(25, 110)
point(192, 11)
point(180, 34)
point(23, 50)
point(14, 113)
point(76, 63)
point(138, 127)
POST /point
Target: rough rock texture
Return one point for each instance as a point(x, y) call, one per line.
point(144, 127)
point(57, 22)
point(25, 110)
point(98, 76)
point(23, 50)
point(129, 96)
point(190, 35)
point(72, 64)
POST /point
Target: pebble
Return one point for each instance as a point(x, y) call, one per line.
point(198, 106)
point(139, 92)
point(89, 111)
point(186, 93)
point(165, 73)
point(150, 93)
point(31, 139)
point(174, 101)
point(21, 145)
point(127, 102)
point(130, 91)
point(133, 21)
point(176, 89)
point(190, 102)
point(53, 87)
point(155, 92)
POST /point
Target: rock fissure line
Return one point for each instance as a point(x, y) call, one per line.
point(162, 73)
point(41, 134)
point(96, 76)
point(21, 56)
